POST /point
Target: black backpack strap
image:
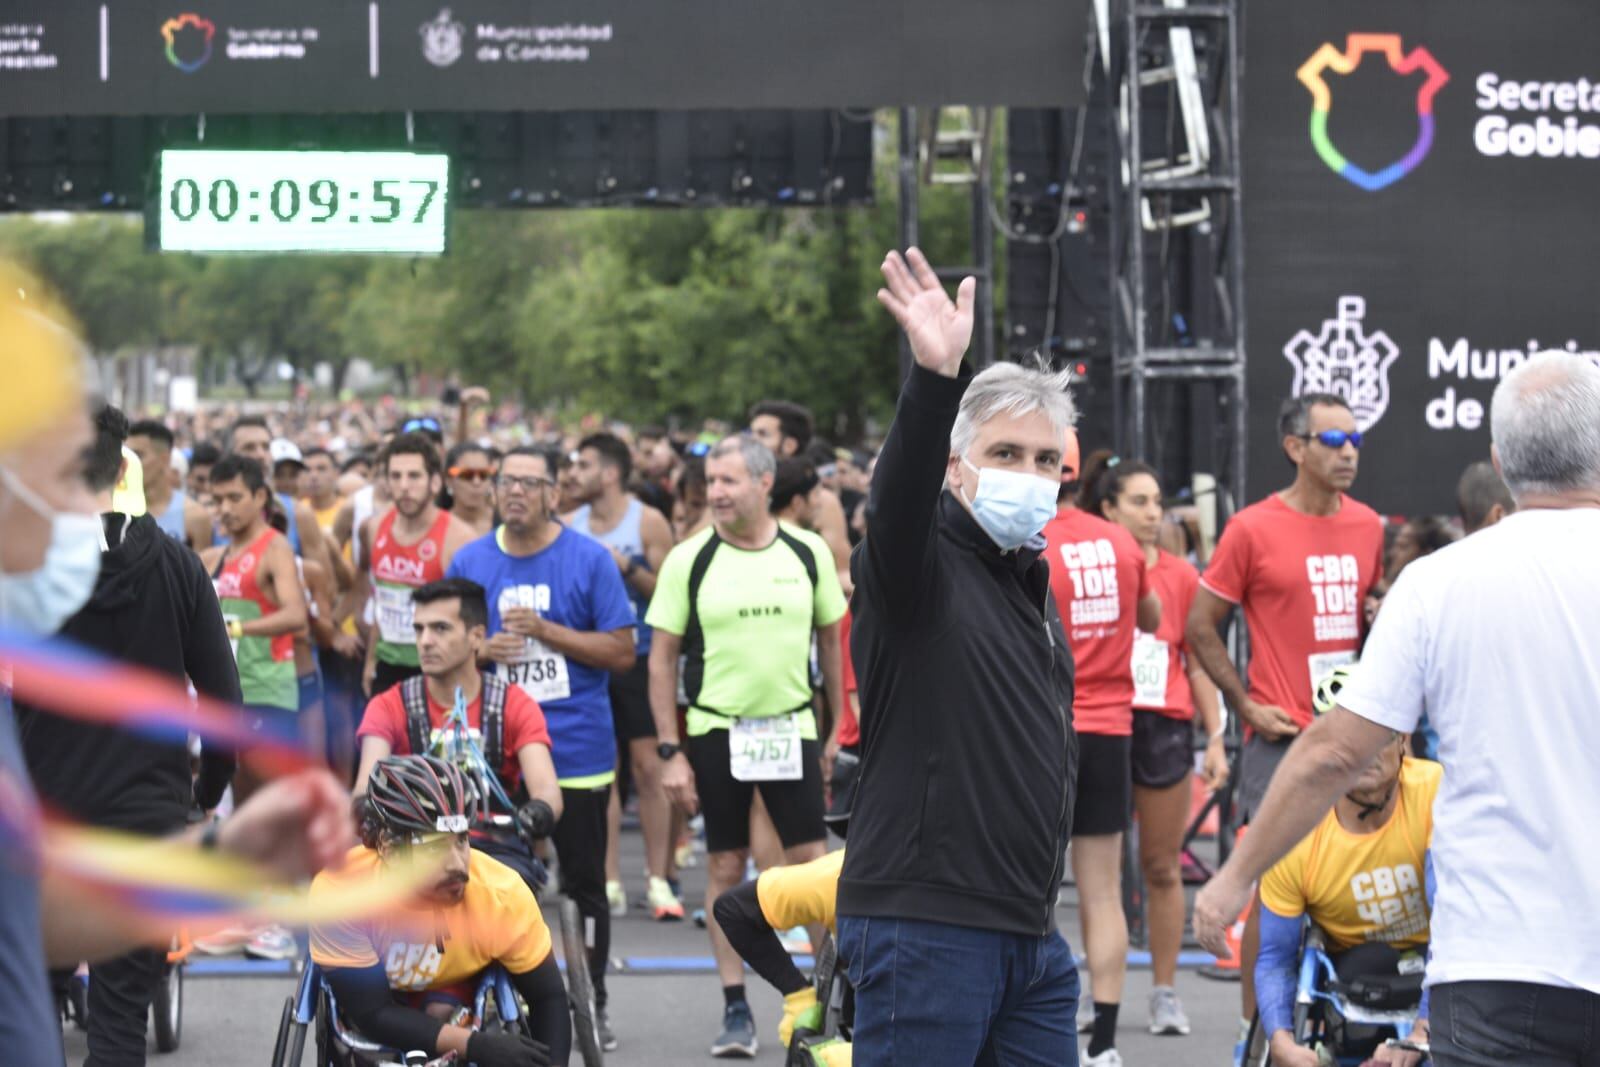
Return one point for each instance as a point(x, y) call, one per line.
point(492, 722)
point(414, 696)
point(694, 638)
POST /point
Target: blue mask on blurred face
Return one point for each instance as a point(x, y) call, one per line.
point(1012, 506)
point(40, 601)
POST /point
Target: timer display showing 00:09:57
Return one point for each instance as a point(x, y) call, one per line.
point(285, 201)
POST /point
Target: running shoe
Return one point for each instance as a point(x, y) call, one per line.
point(738, 1037)
point(684, 856)
point(272, 943)
point(1166, 1012)
point(608, 1040)
point(664, 903)
point(1109, 1058)
point(224, 942)
point(617, 896)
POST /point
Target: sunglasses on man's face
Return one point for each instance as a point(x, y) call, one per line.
point(472, 474)
point(1335, 438)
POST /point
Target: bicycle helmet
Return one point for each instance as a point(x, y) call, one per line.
point(413, 796)
point(1329, 686)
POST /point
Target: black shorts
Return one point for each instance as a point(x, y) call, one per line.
point(630, 705)
point(1163, 749)
point(389, 675)
point(1105, 787)
point(796, 807)
point(1258, 762)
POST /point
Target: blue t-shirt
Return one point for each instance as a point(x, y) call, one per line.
point(573, 582)
point(30, 1032)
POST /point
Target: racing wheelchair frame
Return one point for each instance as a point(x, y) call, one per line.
point(1348, 1019)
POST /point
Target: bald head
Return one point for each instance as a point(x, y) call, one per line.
point(1545, 421)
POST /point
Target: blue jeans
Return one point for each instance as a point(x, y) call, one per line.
point(931, 993)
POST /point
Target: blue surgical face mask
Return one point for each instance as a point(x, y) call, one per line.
point(1012, 506)
point(41, 601)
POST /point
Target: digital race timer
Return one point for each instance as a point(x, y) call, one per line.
point(263, 201)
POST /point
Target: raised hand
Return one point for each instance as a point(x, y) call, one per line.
point(939, 330)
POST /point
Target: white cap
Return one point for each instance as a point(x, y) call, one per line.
point(284, 450)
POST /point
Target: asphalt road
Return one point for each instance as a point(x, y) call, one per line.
point(666, 1003)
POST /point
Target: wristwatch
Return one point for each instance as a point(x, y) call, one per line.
point(666, 750)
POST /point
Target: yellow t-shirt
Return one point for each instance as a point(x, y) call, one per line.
point(802, 894)
point(497, 921)
point(1364, 887)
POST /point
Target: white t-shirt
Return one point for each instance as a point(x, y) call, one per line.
point(1497, 638)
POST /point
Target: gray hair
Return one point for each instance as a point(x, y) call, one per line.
point(1013, 389)
point(1545, 422)
point(758, 458)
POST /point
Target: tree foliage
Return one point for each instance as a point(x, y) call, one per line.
point(640, 314)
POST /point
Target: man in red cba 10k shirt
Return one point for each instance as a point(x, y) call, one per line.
point(1300, 563)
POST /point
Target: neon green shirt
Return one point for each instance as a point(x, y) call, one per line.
point(756, 611)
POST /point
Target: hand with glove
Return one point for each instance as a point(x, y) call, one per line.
point(535, 820)
point(489, 1049)
point(800, 1011)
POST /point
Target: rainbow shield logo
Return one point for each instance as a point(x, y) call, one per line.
point(1357, 45)
point(192, 60)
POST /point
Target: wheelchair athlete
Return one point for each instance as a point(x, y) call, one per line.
point(397, 977)
point(1363, 878)
point(782, 898)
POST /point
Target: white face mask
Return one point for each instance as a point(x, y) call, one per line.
point(1012, 506)
point(41, 601)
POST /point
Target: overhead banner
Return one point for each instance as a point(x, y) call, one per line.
point(77, 57)
point(1421, 217)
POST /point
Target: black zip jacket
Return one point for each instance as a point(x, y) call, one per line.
point(968, 759)
point(154, 607)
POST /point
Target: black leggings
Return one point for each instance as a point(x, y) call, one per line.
point(580, 841)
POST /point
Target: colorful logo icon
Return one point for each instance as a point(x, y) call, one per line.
point(1357, 45)
point(188, 21)
point(1346, 359)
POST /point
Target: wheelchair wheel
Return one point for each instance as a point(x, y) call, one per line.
point(166, 1009)
point(580, 987)
point(285, 1021)
point(1257, 1049)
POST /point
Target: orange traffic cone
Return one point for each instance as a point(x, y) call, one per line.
point(1226, 969)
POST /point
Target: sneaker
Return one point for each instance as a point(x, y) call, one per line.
point(684, 857)
point(738, 1037)
point(1109, 1058)
point(796, 942)
point(664, 904)
point(1166, 1012)
point(272, 943)
point(602, 1023)
point(618, 898)
point(224, 942)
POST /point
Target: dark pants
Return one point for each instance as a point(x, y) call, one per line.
point(580, 841)
point(931, 993)
point(1479, 1024)
point(120, 991)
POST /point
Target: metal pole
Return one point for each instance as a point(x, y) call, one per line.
point(1241, 406)
point(910, 188)
point(1135, 162)
point(983, 351)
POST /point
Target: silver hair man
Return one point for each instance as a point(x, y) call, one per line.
point(1013, 389)
point(1545, 423)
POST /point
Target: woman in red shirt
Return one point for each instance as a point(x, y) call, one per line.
point(1098, 576)
point(1169, 687)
